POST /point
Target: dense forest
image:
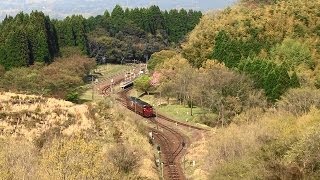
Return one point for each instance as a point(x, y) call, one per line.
point(26, 39)
point(122, 34)
point(138, 33)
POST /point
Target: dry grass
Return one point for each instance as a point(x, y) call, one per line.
point(257, 149)
point(30, 116)
point(55, 131)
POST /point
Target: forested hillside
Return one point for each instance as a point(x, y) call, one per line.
point(269, 47)
point(138, 33)
point(122, 34)
point(256, 66)
point(272, 43)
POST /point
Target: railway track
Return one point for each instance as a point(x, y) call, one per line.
point(172, 144)
point(172, 149)
point(171, 141)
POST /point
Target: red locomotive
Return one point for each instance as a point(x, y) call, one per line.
point(140, 107)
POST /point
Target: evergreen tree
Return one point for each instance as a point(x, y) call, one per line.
point(117, 19)
point(17, 49)
point(273, 78)
point(27, 38)
point(72, 31)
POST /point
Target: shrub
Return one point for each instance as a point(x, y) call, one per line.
point(299, 101)
point(143, 83)
point(73, 159)
point(56, 79)
point(124, 159)
point(292, 53)
point(2, 71)
point(304, 154)
point(73, 97)
point(159, 57)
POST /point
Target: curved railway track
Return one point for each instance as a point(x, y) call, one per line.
point(171, 141)
point(172, 144)
point(172, 149)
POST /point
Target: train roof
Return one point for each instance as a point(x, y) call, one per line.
point(139, 101)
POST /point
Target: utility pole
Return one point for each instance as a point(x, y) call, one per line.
point(162, 170)
point(92, 86)
point(184, 157)
point(191, 105)
point(135, 104)
point(111, 86)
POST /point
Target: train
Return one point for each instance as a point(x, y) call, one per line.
point(140, 107)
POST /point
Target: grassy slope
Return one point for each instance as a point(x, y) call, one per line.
point(29, 120)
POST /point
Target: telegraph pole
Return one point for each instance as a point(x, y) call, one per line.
point(92, 84)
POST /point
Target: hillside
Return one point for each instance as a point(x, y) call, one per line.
point(256, 28)
point(284, 35)
point(27, 39)
point(38, 133)
point(255, 66)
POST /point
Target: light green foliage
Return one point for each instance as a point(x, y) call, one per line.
point(226, 92)
point(259, 2)
point(277, 145)
point(143, 83)
point(213, 88)
point(271, 77)
point(159, 57)
point(280, 143)
point(292, 53)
